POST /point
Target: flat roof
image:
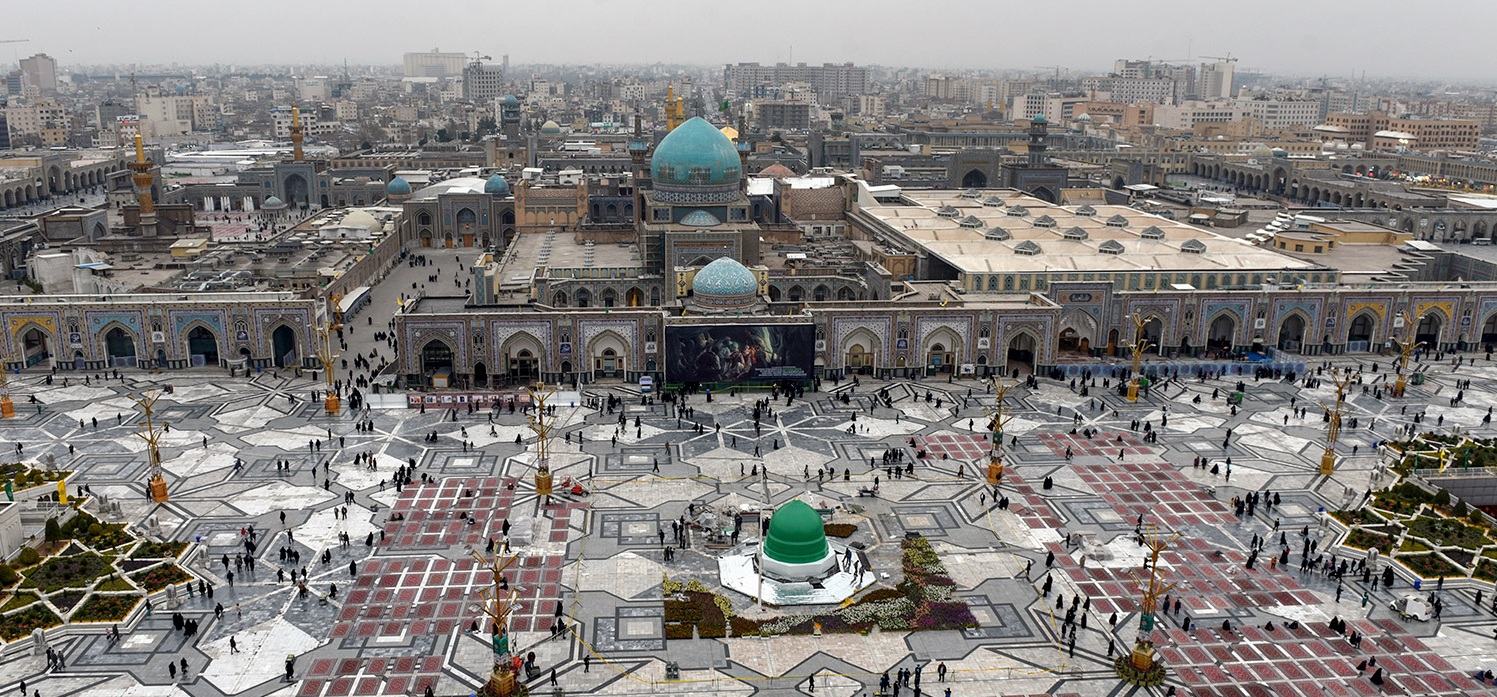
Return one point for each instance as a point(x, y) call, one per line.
point(1073, 243)
point(563, 250)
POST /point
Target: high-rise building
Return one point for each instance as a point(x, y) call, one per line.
point(1214, 81)
point(827, 80)
point(41, 71)
point(435, 64)
point(482, 82)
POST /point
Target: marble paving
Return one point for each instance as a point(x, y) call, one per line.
point(390, 607)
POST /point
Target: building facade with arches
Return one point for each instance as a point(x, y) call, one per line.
point(201, 330)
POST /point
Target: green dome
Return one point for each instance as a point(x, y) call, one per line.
point(398, 187)
point(796, 535)
point(696, 163)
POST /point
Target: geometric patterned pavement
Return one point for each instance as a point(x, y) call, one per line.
point(399, 623)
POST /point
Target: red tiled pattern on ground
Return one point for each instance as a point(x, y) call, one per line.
point(401, 595)
point(1104, 444)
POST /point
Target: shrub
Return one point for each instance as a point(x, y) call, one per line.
point(54, 531)
point(1460, 509)
point(29, 557)
point(1442, 498)
point(8, 576)
point(95, 530)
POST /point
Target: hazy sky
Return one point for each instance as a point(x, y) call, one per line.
point(1451, 39)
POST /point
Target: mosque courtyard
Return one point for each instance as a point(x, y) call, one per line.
point(592, 578)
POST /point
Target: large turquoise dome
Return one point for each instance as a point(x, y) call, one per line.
point(725, 282)
point(496, 186)
point(696, 163)
point(796, 535)
point(398, 187)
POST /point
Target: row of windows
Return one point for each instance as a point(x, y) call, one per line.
point(1128, 281)
point(595, 273)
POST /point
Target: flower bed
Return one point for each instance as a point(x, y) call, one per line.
point(1430, 565)
point(1362, 539)
point(924, 600)
point(22, 477)
point(66, 600)
point(105, 608)
point(22, 623)
point(18, 601)
point(1361, 516)
point(160, 577)
point(1486, 570)
point(87, 529)
point(843, 530)
point(158, 550)
point(1448, 532)
point(76, 571)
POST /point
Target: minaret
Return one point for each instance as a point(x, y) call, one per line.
point(639, 148)
point(675, 112)
point(141, 168)
point(1038, 129)
point(296, 133)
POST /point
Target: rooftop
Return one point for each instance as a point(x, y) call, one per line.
point(999, 232)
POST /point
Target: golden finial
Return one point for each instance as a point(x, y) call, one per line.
point(140, 150)
point(295, 116)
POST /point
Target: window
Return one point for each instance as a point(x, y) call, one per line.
point(1299, 248)
point(1319, 249)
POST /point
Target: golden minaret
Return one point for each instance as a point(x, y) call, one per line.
point(296, 133)
point(141, 168)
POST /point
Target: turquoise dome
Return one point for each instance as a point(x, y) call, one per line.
point(398, 187)
point(496, 186)
point(700, 218)
point(796, 535)
point(511, 100)
point(1039, 118)
point(725, 279)
point(273, 201)
point(696, 163)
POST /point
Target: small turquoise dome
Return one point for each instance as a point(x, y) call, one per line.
point(273, 202)
point(700, 218)
point(696, 162)
point(398, 187)
point(550, 128)
point(496, 186)
point(725, 279)
point(1039, 118)
point(511, 100)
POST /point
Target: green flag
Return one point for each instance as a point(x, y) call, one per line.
point(724, 106)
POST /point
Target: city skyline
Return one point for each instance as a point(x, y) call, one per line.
point(1278, 37)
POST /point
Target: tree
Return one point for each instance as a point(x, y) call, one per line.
point(365, 146)
point(53, 530)
point(486, 126)
point(442, 136)
point(1442, 498)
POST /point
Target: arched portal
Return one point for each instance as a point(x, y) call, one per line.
point(1154, 334)
point(119, 345)
point(202, 347)
point(36, 346)
point(1219, 335)
point(283, 346)
point(941, 352)
point(975, 179)
point(1428, 331)
point(1021, 350)
point(1359, 334)
point(480, 374)
point(436, 360)
point(1292, 333)
point(296, 191)
point(635, 297)
point(608, 352)
point(522, 359)
point(1489, 331)
point(860, 354)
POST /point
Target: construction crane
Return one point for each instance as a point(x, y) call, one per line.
point(1225, 59)
point(478, 57)
point(13, 41)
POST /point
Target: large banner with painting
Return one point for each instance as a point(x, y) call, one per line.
point(739, 353)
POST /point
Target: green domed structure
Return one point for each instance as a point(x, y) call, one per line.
point(696, 163)
point(796, 535)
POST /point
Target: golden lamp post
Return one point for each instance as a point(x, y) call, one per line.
point(1140, 666)
point(325, 354)
point(1140, 345)
point(996, 424)
point(151, 434)
point(1333, 425)
point(498, 602)
point(542, 425)
point(1405, 349)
